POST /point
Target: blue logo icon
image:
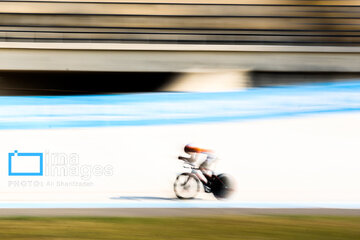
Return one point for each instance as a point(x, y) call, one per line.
point(25, 164)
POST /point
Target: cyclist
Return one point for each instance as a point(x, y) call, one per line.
point(204, 158)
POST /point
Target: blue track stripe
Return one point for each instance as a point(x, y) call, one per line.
point(177, 108)
point(181, 204)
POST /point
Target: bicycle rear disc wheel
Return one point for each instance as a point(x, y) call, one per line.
point(186, 186)
point(222, 187)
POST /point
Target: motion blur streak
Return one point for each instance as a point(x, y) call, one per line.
point(296, 22)
point(176, 108)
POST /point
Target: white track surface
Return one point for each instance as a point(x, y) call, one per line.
point(303, 161)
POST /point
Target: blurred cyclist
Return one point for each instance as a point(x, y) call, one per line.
point(204, 158)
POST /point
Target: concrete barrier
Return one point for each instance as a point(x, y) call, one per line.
point(174, 58)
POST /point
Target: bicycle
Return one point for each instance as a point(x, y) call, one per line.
point(187, 184)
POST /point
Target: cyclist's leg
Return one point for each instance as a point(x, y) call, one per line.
point(208, 166)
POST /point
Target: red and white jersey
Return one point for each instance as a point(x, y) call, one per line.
point(203, 156)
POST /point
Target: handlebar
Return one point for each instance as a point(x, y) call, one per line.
point(192, 166)
point(195, 168)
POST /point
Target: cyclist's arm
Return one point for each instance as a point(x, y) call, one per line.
point(190, 159)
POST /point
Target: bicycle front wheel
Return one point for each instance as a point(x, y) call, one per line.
point(186, 186)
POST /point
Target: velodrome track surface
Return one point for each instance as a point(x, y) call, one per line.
point(287, 147)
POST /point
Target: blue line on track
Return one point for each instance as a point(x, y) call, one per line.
point(181, 204)
point(146, 109)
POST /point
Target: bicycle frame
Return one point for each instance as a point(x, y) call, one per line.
point(198, 174)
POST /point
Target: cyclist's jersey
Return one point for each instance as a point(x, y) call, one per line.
point(211, 158)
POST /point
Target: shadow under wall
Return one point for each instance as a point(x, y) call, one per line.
point(77, 83)
point(264, 79)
